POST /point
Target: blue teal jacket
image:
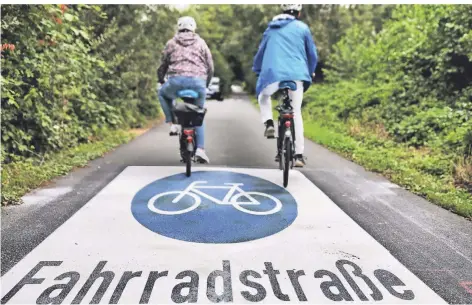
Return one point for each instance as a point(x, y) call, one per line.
point(287, 52)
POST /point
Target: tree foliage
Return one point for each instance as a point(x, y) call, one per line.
point(234, 31)
point(77, 70)
point(69, 72)
point(421, 62)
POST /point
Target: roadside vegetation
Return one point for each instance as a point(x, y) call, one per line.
point(75, 79)
point(393, 90)
point(26, 174)
point(399, 101)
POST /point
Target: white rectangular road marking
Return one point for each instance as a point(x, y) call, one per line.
point(315, 257)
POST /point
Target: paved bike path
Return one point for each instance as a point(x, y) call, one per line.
point(321, 256)
point(432, 243)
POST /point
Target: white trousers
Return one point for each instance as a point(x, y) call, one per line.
point(265, 104)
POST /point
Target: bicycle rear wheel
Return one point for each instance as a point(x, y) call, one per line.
point(188, 158)
point(287, 153)
point(188, 164)
point(280, 147)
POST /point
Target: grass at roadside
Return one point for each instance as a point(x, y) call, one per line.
point(20, 177)
point(420, 171)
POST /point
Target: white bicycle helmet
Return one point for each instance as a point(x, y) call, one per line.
point(186, 23)
point(290, 7)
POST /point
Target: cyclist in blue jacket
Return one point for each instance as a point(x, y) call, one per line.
point(286, 53)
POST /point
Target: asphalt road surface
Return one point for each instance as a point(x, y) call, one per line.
point(131, 228)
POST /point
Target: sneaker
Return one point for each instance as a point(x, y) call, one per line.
point(269, 132)
point(174, 130)
point(299, 161)
point(201, 156)
point(277, 158)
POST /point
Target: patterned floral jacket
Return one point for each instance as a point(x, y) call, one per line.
point(186, 54)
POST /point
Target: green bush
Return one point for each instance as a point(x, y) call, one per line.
point(404, 95)
point(414, 76)
point(76, 70)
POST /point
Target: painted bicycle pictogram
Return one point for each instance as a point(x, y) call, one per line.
point(233, 197)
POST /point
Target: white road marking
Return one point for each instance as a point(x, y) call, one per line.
point(322, 257)
point(45, 195)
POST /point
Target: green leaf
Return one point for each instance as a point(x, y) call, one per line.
point(68, 17)
point(84, 34)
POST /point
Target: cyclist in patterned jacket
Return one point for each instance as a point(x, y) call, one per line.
point(188, 64)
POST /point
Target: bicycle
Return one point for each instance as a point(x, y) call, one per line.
point(194, 191)
point(286, 129)
point(189, 116)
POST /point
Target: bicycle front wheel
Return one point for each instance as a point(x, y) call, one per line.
point(272, 199)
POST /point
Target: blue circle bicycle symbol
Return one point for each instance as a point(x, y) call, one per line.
point(214, 207)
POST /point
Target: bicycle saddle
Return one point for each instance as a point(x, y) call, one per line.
point(288, 85)
point(187, 93)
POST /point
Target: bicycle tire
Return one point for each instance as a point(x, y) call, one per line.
point(287, 158)
point(280, 149)
point(292, 161)
point(188, 158)
point(237, 205)
point(188, 164)
point(151, 203)
point(281, 159)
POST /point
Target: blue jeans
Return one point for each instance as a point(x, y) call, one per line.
point(168, 93)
